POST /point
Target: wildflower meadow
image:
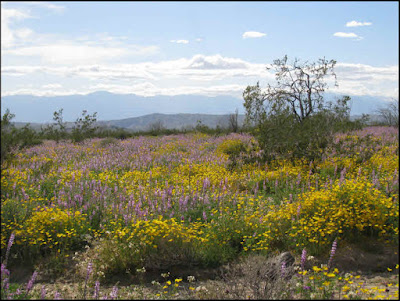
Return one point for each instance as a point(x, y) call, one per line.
point(103, 208)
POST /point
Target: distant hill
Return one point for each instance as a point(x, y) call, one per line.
point(171, 121)
point(109, 106)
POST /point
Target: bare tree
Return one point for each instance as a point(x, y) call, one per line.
point(299, 88)
point(156, 126)
point(233, 121)
point(390, 113)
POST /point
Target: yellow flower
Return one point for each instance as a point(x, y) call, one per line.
point(316, 269)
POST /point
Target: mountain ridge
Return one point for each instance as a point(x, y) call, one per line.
point(110, 106)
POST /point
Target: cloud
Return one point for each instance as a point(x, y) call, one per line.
point(361, 79)
point(347, 35)
point(179, 41)
point(215, 62)
point(199, 74)
point(356, 24)
point(47, 5)
point(9, 36)
point(253, 34)
point(126, 72)
point(143, 89)
point(52, 86)
point(69, 52)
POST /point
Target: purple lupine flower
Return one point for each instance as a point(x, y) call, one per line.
point(298, 210)
point(10, 243)
point(333, 251)
point(18, 292)
point(303, 258)
point(6, 284)
point(31, 282)
point(4, 271)
point(298, 179)
point(89, 270)
point(57, 296)
point(283, 269)
point(96, 290)
point(114, 293)
point(43, 293)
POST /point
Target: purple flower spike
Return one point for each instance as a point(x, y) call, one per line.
point(89, 270)
point(333, 251)
point(283, 269)
point(303, 258)
point(114, 293)
point(43, 293)
point(96, 290)
point(57, 296)
point(10, 243)
point(31, 282)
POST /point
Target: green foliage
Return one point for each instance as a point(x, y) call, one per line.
point(8, 141)
point(282, 136)
point(58, 130)
point(84, 127)
point(13, 139)
point(291, 120)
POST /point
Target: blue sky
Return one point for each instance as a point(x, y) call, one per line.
point(209, 48)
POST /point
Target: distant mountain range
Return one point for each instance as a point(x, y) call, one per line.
point(168, 121)
point(171, 121)
point(109, 106)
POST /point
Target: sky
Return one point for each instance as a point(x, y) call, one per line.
point(205, 48)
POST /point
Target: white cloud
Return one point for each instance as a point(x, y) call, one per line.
point(179, 41)
point(91, 72)
point(52, 86)
point(361, 79)
point(356, 24)
point(200, 74)
point(253, 34)
point(10, 36)
point(69, 52)
point(44, 4)
point(142, 89)
point(215, 62)
point(345, 35)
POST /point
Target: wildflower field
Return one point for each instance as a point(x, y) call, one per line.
point(196, 201)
